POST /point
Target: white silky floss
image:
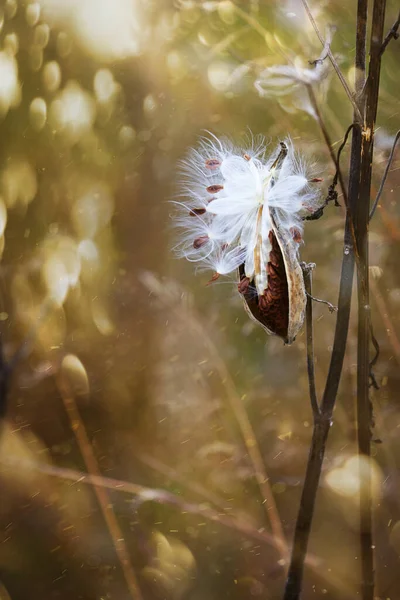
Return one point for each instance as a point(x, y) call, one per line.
point(227, 194)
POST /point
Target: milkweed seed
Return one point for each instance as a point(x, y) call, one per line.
point(215, 188)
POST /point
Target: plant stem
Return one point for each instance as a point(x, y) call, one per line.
point(323, 422)
point(321, 429)
point(307, 273)
point(361, 220)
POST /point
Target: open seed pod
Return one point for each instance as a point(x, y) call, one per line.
point(281, 309)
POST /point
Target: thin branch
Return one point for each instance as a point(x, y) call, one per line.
point(332, 307)
point(379, 194)
point(307, 273)
point(328, 142)
point(374, 360)
point(147, 494)
point(332, 59)
point(392, 34)
point(89, 458)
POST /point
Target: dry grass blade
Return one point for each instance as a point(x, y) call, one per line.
point(89, 458)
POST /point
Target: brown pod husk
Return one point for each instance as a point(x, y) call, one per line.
point(281, 309)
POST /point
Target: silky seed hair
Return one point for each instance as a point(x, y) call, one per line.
point(224, 201)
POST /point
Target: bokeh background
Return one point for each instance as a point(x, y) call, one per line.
point(193, 425)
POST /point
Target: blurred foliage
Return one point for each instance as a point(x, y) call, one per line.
point(129, 367)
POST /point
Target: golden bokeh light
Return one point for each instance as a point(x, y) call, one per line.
point(92, 210)
point(72, 112)
point(51, 76)
point(38, 113)
point(10, 92)
point(18, 182)
point(75, 374)
point(32, 13)
point(356, 471)
point(107, 29)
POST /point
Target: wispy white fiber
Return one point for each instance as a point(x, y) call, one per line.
point(225, 197)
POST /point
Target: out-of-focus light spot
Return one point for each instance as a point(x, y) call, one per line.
point(3, 317)
point(9, 84)
point(88, 251)
point(73, 112)
point(10, 8)
point(101, 318)
point(64, 44)
point(75, 374)
point(51, 76)
point(149, 104)
point(18, 183)
point(172, 566)
point(109, 29)
point(348, 479)
point(219, 74)
point(351, 76)
point(36, 58)
point(227, 12)
point(210, 6)
point(92, 211)
point(38, 113)
point(11, 43)
point(56, 279)
point(32, 13)
point(2, 245)
point(42, 35)
point(61, 266)
point(1, 18)
point(205, 37)
point(176, 65)
point(105, 87)
point(376, 272)
point(3, 217)
point(90, 260)
point(126, 136)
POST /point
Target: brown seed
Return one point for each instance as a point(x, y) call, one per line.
point(316, 180)
point(262, 302)
point(213, 278)
point(215, 188)
point(246, 156)
point(197, 211)
point(200, 241)
point(212, 164)
point(296, 234)
point(243, 285)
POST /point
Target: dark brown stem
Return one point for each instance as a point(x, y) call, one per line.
point(307, 272)
point(361, 220)
point(323, 423)
point(392, 34)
